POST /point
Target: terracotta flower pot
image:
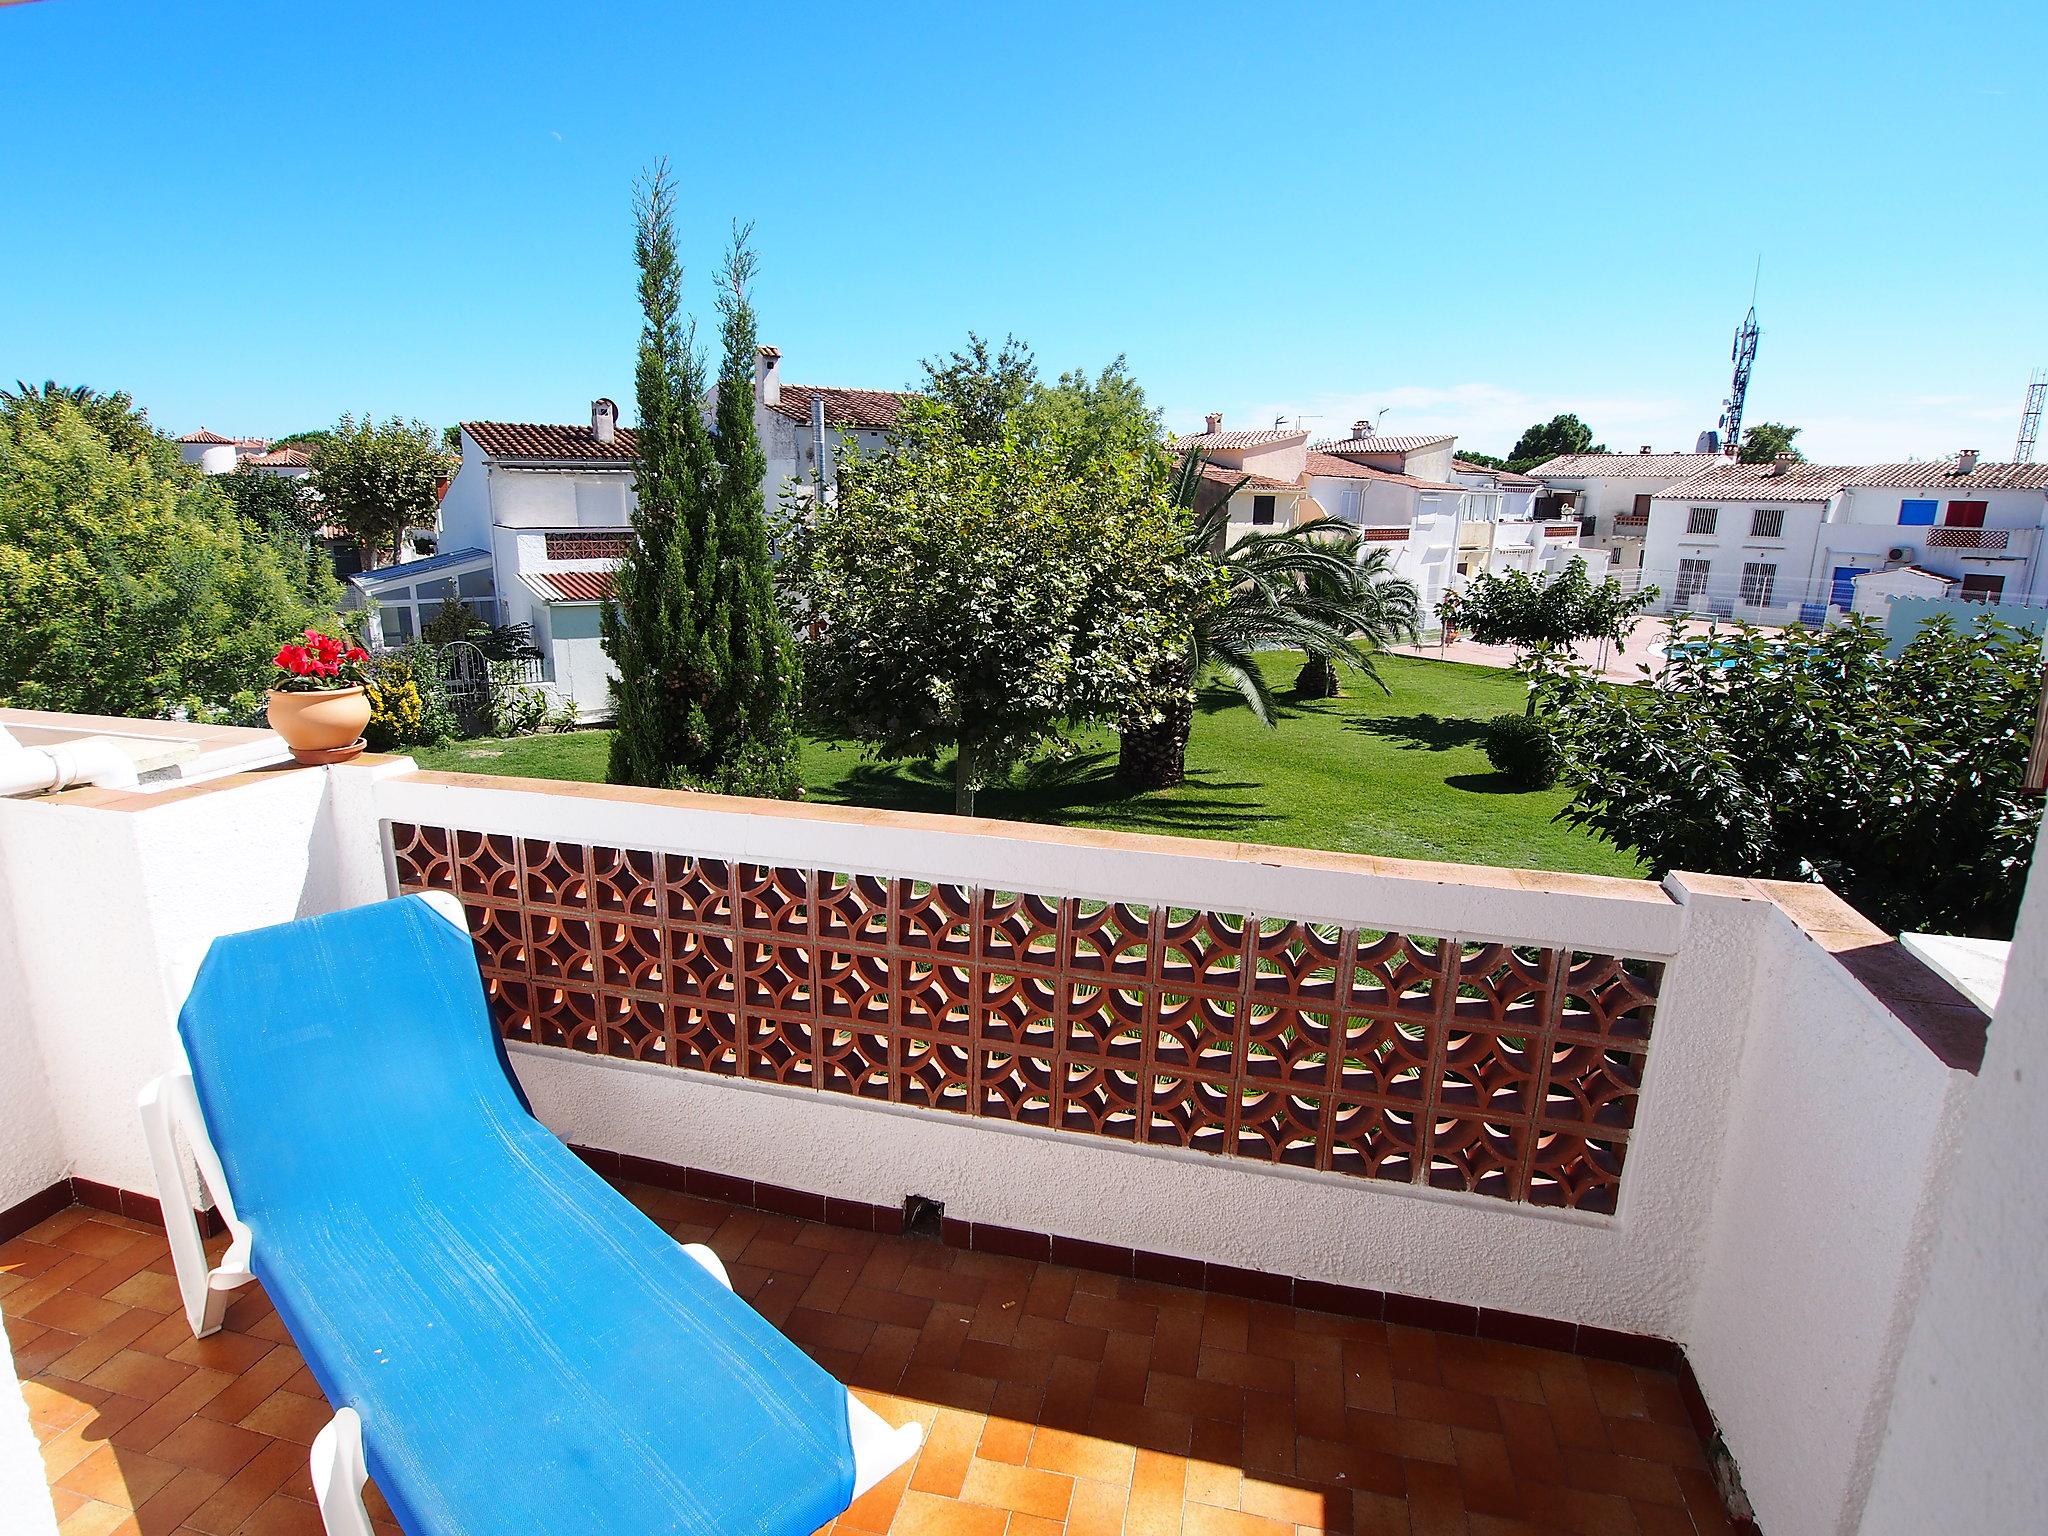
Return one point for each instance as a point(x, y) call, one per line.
point(320, 724)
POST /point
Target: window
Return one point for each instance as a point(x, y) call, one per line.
point(1588, 527)
point(1641, 506)
point(1758, 578)
point(1917, 514)
point(1982, 589)
point(1965, 514)
point(1703, 519)
point(396, 624)
point(1263, 509)
point(1692, 581)
point(1767, 523)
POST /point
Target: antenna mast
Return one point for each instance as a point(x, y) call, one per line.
point(2030, 418)
point(1743, 354)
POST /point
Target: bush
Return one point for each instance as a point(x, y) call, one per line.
point(514, 709)
point(1522, 748)
point(406, 707)
point(1899, 781)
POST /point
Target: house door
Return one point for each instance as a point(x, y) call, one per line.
point(1842, 590)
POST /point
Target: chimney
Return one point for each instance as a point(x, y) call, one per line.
point(1966, 461)
point(1781, 464)
point(1213, 422)
point(604, 420)
point(768, 376)
point(1644, 449)
point(1361, 428)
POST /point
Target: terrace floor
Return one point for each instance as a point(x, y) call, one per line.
point(1055, 1399)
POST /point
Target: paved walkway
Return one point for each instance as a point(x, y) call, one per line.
point(1645, 647)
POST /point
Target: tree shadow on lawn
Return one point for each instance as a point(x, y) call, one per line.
point(1052, 791)
point(1487, 784)
point(1430, 733)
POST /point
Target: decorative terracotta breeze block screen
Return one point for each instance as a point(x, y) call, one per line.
point(1503, 1070)
point(588, 546)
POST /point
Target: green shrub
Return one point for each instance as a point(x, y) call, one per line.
point(1522, 748)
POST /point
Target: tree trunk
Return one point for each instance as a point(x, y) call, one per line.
point(963, 780)
point(1155, 756)
point(1317, 679)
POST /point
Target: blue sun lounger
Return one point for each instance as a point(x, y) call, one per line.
point(509, 1344)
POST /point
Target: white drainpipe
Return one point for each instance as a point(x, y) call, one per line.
point(89, 760)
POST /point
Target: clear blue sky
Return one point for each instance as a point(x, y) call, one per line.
point(255, 217)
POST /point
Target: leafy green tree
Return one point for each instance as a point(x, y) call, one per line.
point(976, 393)
point(707, 668)
point(1483, 460)
point(1563, 433)
point(1101, 417)
point(987, 597)
point(304, 440)
point(1762, 443)
point(1898, 781)
point(375, 479)
point(1544, 617)
point(128, 587)
point(115, 417)
point(282, 509)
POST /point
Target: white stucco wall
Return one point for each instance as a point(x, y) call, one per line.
point(1822, 1207)
point(1963, 1449)
point(113, 908)
point(561, 498)
point(32, 1154)
point(1729, 547)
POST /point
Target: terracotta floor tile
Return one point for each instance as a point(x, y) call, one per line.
point(1022, 1489)
point(1057, 1402)
point(923, 1514)
point(1059, 1450)
point(1205, 1520)
point(948, 1449)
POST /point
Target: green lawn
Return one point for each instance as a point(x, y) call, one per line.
point(1400, 774)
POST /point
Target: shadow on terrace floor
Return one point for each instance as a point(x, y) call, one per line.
point(1056, 1400)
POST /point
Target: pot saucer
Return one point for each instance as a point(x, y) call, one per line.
point(328, 756)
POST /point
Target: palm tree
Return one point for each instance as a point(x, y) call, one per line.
point(1373, 605)
point(1303, 588)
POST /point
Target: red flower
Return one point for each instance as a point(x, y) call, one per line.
point(357, 653)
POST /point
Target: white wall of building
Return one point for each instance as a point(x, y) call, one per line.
point(1836, 1155)
point(1793, 552)
point(1963, 1448)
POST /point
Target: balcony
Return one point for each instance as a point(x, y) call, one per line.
point(1966, 538)
point(1177, 1186)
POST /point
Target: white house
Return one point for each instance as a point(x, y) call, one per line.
point(1775, 543)
point(538, 516)
point(1610, 493)
point(213, 454)
point(1396, 491)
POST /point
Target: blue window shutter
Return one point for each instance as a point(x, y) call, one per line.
point(1917, 514)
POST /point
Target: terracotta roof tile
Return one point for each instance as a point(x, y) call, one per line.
point(1229, 441)
point(548, 441)
point(1625, 466)
point(1375, 443)
point(204, 436)
point(873, 409)
point(1942, 472)
point(1332, 467)
point(282, 458)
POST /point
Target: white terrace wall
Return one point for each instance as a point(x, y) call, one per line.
point(1631, 1271)
point(1843, 1125)
point(111, 911)
point(1963, 1450)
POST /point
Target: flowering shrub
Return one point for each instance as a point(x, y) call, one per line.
point(319, 662)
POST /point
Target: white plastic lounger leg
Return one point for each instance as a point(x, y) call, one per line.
point(170, 1106)
point(878, 1449)
point(710, 1261)
point(339, 1473)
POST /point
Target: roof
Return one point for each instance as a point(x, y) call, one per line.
point(571, 586)
point(547, 440)
point(1224, 475)
point(873, 409)
point(1726, 481)
point(408, 569)
point(1228, 441)
point(281, 458)
point(1332, 467)
point(1373, 442)
point(1942, 472)
point(1504, 476)
point(1624, 466)
point(204, 436)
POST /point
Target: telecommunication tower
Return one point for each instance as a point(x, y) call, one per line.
point(2030, 418)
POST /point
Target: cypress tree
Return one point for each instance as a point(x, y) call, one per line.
point(706, 670)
